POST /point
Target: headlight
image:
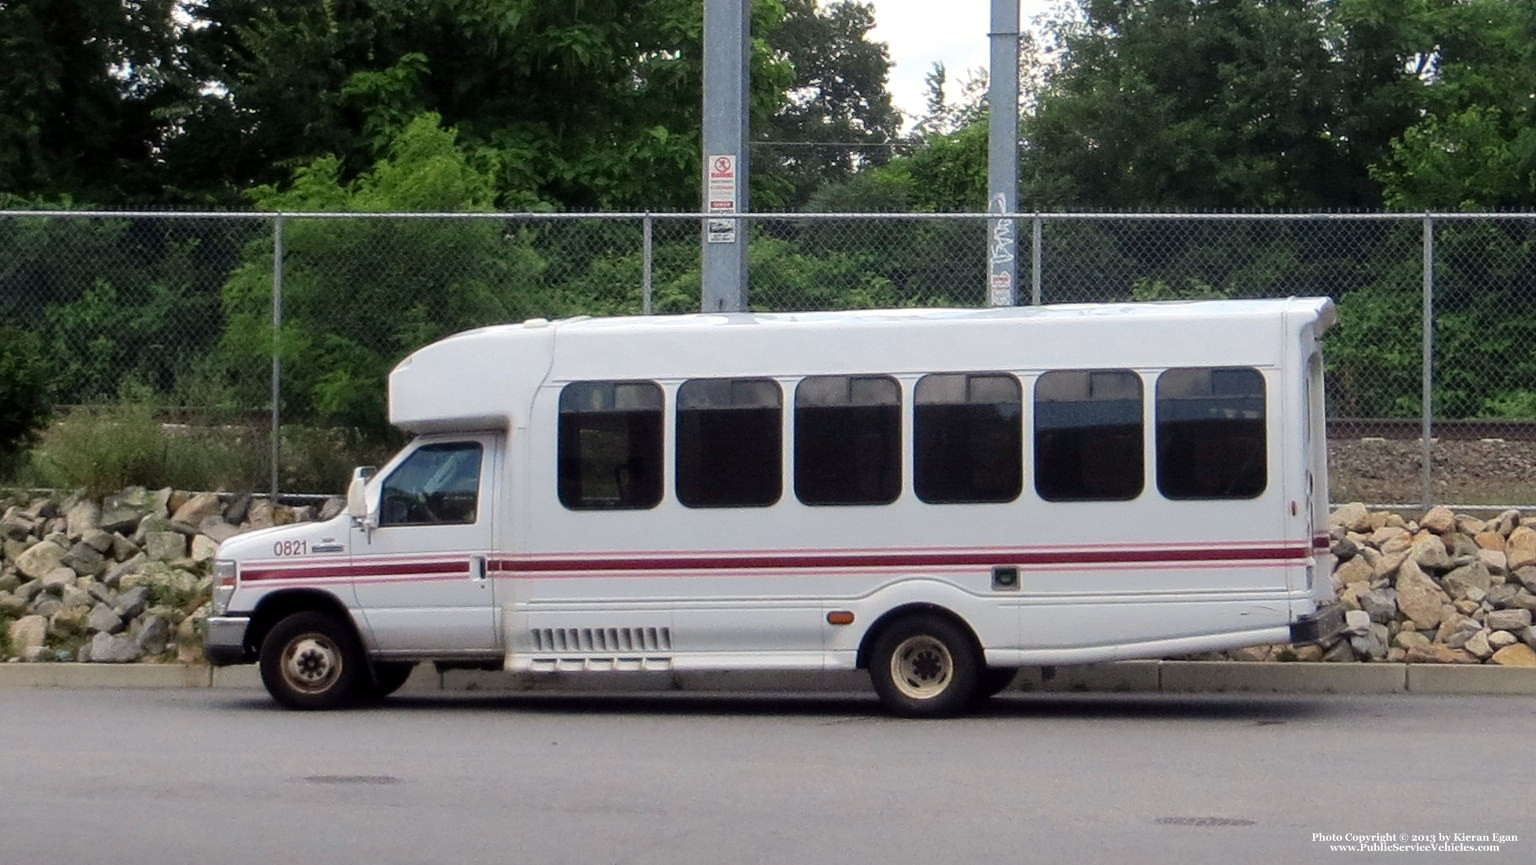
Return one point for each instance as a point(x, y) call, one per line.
point(226, 572)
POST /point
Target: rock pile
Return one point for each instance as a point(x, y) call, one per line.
point(122, 579)
point(127, 579)
point(1448, 588)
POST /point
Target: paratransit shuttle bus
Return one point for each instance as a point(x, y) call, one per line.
point(938, 496)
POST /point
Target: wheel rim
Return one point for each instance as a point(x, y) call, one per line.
point(311, 663)
point(921, 667)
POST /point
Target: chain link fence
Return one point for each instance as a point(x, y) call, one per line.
point(275, 327)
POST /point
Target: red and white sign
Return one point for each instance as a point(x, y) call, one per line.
point(720, 182)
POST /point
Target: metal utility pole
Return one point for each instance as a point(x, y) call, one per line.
point(727, 52)
point(1003, 154)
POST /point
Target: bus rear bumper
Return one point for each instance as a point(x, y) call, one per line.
point(1317, 627)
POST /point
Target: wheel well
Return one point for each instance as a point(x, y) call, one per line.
point(278, 606)
point(899, 613)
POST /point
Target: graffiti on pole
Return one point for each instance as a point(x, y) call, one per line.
point(1001, 253)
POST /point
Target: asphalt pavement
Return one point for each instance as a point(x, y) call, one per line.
point(200, 775)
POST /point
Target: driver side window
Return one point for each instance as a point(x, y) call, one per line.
point(439, 484)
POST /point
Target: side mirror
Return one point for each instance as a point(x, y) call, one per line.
point(357, 496)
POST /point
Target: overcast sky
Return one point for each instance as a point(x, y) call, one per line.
point(922, 32)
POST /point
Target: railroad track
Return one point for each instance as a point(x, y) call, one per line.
point(1453, 430)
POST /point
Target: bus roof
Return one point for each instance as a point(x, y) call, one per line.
point(478, 378)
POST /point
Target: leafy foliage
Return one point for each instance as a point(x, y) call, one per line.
point(582, 105)
point(344, 324)
point(1473, 143)
point(24, 401)
point(82, 96)
point(837, 118)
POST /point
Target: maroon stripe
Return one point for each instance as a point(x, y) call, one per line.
point(900, 560)
point(819, 561)
point(307, 572)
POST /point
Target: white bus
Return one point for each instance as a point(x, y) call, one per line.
point(937, 496)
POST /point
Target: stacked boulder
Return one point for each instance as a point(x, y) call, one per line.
point(127, 578)
point(123, 579)
point(1446, 589)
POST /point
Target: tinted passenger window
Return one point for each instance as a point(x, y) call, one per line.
point(730, 442)
point(1210, 434)
point(848, 440)
point(1088, 435)
point(610, 445)
point(436, 485)
point(968, 444)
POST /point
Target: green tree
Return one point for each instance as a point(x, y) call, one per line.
point(838, 116)
point(83, 84)
point(117, 298)
point(24, 399)
point(1473, 144)
point(591, 105)
point(1219, 104)
point(359, 294)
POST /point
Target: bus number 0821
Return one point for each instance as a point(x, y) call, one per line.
point(290, 548)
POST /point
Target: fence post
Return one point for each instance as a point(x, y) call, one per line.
point(1035, 296)
point(648, 225)
point(277, 361)
point(1426, 416)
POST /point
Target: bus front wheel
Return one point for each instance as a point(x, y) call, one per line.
point(310, 660)
point(925, 666)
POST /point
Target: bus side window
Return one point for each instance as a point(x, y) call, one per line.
point(848, 440)
point(610, 445)
point(730, 442)
point(1210, 434)
point(967, 438)
point(1088, 435)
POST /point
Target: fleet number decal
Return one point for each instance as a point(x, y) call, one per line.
point(290, 548)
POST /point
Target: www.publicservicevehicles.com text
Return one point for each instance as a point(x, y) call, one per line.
point(1433, 842)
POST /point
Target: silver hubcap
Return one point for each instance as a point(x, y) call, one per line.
point(922, 667)
point(311, 663)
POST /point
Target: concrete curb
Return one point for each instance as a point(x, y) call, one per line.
point(1174, 677)
point(104, 676)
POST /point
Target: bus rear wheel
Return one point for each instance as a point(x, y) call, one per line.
point(310, 660)
point(925, 666)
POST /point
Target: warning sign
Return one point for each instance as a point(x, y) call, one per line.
point(720, 182)
point(721, 231)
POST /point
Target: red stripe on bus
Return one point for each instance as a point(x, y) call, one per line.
point(793, 562)
point(382, 569)
point(899, 560)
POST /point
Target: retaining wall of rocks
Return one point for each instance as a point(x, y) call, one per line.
point(1447, 588)
point(126, 579)
point(122, 579)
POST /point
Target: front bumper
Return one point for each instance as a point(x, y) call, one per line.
point(225, 644)
point(1318, 627)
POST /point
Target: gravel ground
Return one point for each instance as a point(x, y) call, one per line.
point(1487, 473)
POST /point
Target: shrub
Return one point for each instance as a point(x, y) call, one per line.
point(104, 449)
point(99, 450)
point(24, 401)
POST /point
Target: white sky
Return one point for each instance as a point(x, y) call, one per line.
point(921, 32)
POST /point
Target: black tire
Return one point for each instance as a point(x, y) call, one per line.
point(925, 666)
point(388, 676)
point(310, 660)
point(995, 680)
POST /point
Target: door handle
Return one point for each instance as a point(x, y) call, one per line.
point(477, 568)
